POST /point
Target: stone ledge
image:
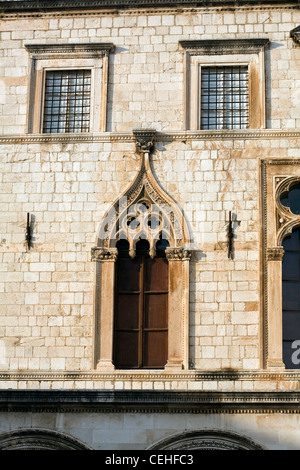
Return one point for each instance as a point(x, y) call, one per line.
point(192, 375)
point(159, 137)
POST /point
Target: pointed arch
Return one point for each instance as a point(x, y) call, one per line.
point(146, 211)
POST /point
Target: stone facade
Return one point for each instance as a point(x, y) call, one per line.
point(68, 182)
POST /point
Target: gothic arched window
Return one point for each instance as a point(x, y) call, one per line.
point(141, 307)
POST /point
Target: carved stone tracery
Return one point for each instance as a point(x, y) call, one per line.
point(144, 210)
point(286, 220)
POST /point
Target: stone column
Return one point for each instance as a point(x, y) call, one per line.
point(104, 307)
point(178, 328)
point(275, 257)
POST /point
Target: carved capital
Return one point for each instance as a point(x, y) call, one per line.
point(275, 254)
point(295, 35)
point(144, 140)
point(104, 254)
point(178, 254)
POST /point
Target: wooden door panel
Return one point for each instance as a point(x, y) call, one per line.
point(155, 349)
point(156, 275)
point(156, 311)
point(126, 349)
point(128, 275)
point(127, 312)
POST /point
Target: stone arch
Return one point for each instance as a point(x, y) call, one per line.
point(206, 440)
point(39, 439)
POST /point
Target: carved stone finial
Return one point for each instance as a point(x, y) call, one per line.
point(295, 35)
point(144, 139)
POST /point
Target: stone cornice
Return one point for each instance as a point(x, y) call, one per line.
point(224, 46)
point(160, 136)
point(74, 50)
point(60, 5)
point(148, 401)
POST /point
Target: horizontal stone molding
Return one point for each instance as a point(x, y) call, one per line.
point(161, 376)
point(142, 401)
point(159, 137)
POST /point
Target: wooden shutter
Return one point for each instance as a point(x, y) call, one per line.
point(141, 312)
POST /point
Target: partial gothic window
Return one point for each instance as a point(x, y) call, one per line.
point(141, 307)
point(291, 300)
point(281, 262)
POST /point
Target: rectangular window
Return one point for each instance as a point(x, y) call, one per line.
point(67, 101)
point(224, 84)
point(224, 97)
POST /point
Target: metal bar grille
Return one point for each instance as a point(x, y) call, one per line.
point(67, 101)
point(224, 97)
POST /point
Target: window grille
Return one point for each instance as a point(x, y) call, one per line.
point(67, 101)
point(224, 97)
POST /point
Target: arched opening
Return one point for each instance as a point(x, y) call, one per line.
point(141, 307)
point(291, 300)
point(206, 440)
point(39, 439)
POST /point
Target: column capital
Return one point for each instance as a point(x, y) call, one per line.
point(104, 254)
point(178, 254)
point(275, 254)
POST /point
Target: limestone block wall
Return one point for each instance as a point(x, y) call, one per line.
point(46, 293)
point(146, 79)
